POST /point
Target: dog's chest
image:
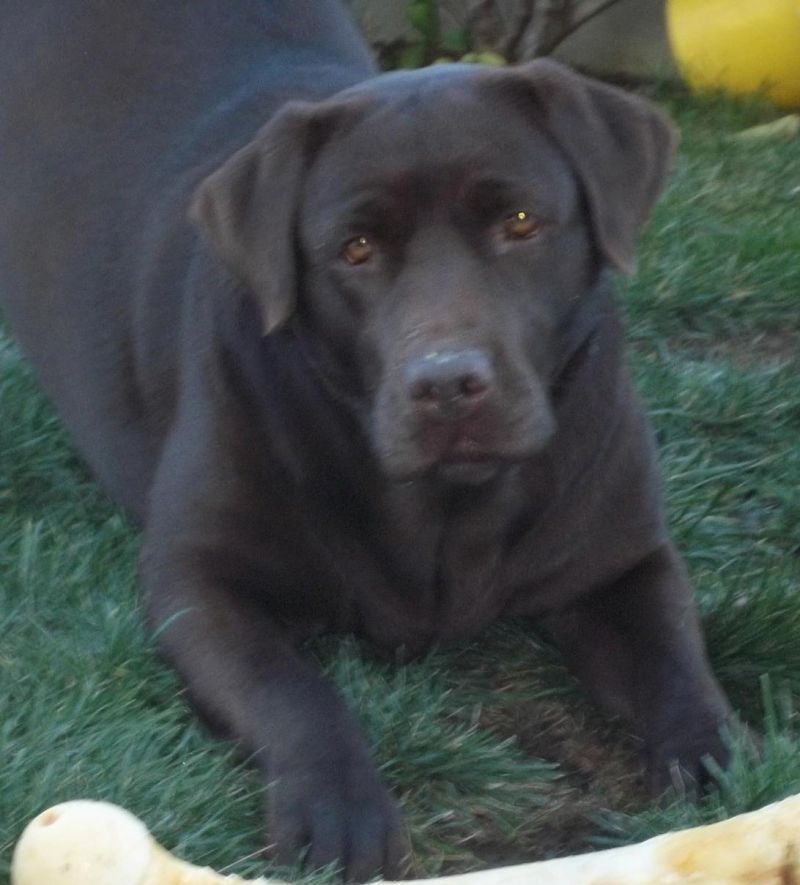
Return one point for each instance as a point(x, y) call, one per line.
point(428, 574)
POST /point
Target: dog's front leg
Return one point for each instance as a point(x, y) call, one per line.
point(247, 680)
point(637, 646)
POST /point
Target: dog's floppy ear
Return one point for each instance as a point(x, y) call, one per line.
point(247, 208)
point(621, 146)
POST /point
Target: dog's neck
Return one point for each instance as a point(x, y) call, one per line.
point(579, 331)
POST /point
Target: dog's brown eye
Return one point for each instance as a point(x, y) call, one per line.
point(520, 226)
point(358, 250)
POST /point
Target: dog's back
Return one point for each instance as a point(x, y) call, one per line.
point(111, 114)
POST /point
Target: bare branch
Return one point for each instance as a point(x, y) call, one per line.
point(483, 24)
point(554, 43)
point(514, 40)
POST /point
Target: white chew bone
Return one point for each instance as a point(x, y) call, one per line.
point(95, 843)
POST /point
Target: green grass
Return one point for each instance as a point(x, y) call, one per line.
point(492, 748)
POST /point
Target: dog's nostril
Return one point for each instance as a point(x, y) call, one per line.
point(425, 390)
point(473, 385)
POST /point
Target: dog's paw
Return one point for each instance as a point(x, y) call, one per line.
point(678, 764)
point(337, 812)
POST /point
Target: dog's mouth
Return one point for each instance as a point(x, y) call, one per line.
point(466, 461)
point(464, 449)
point(469, 471)
point(463, 460)
point(460, 443)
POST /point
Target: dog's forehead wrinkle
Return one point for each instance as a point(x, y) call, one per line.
point(400, 191)
point(400, 162)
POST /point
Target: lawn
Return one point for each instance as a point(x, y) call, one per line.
point(494, 751)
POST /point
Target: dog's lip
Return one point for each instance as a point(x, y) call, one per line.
point(459, 449)
point(459, 466)
point(472, 473)
point(465, 449)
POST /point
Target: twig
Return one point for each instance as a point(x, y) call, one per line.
point(524, 19)
point(576, 25)
point(481, 24)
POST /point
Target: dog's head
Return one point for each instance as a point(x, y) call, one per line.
point(433, 233)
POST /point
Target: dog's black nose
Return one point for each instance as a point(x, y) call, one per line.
point(449, 383)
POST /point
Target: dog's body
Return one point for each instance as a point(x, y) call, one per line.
point(438, 428)
point(111, 117)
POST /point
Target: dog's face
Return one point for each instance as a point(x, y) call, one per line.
point(435, 233)
point(443, 242)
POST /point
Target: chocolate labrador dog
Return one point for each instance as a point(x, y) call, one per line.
point(344, 344)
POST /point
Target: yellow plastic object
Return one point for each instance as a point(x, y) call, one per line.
point(742, 46)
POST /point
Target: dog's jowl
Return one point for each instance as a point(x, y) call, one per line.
point(344, 344)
